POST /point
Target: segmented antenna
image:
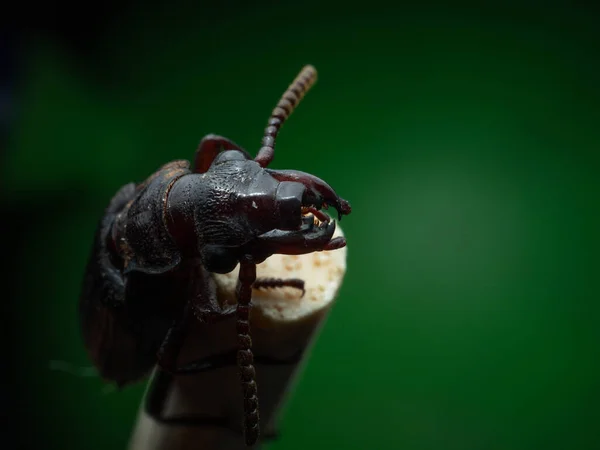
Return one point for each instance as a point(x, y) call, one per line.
point(269, 283)
point(245, 358)
point(288, 102)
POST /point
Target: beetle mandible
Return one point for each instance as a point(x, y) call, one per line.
point(154, 250)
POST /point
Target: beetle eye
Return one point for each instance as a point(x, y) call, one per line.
point(218, 259)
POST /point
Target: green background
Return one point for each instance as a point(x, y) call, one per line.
point(466, 140)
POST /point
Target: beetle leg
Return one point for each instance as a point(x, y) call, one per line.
point(210, 146)
point(266, 283)
point(228, 359)
point(205, 315)
point(173, 342)
point(206, 306)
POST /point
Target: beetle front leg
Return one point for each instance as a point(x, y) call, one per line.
point(169, 350)
point(203, 307)
point(210, 146)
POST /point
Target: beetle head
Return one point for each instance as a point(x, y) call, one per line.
point(255, 213)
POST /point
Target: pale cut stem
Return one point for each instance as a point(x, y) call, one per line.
point(282, 325)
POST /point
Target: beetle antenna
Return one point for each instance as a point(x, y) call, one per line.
point(245, 357)
point(287, 103)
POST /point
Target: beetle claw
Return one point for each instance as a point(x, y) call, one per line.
point(335, 243)
point(307, 239)
point(318, 193)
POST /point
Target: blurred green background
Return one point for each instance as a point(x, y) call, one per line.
point(466, 139)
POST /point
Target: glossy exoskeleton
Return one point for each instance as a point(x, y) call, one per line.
point(150, 268)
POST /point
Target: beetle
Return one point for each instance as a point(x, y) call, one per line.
point(159, 241)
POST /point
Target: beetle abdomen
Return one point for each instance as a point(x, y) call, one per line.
point(109, 339)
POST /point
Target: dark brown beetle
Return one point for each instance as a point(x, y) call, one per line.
point(155, 248)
